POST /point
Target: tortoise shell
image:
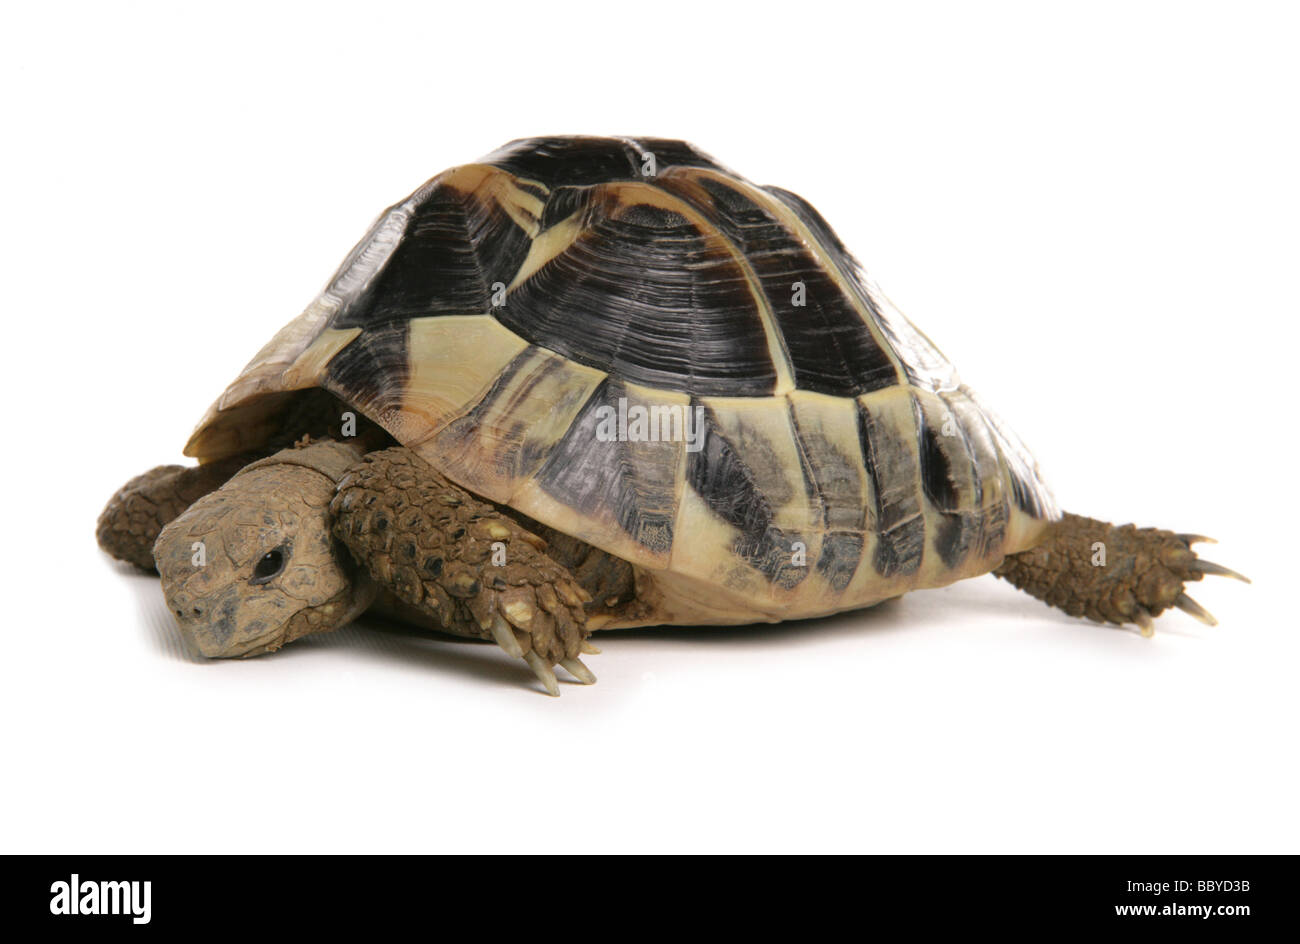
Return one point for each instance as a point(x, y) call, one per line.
point(625, 341)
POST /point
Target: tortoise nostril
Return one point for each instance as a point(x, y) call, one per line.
point(198, 611)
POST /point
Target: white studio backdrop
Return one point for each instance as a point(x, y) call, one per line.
point(1090, 208)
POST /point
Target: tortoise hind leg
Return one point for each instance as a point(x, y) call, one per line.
point(139, 510)
point(1111, 573)
point(461, 562)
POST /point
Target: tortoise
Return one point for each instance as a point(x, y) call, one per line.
point(594, 383)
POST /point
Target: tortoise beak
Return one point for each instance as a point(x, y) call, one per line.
point(207, 623)
point(204, 600)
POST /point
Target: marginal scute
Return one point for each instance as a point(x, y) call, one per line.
point(949, 481)
point(887, 433)
point(989, 480)
point(605, 470)
point(746, 472)
point(1029, 492)
point(826, 431)
point(502, 440)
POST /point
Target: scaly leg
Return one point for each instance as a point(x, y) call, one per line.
point(1110, 573)
point(131, 521)
point(431, 543)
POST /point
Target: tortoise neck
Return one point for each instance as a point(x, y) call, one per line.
point(328, 457)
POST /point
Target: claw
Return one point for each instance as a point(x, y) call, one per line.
point(1190, 539)
point(547, 599)
point(534, 540)
point(589, 648)
point(1190, 606)
point(579, 671)
point(544, 673)
point(1218, 570)
point(505, 637)
point(570, 594)
point(1143, 618)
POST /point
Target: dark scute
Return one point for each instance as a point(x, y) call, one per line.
point(899, 549)
point(812, 219)
point(565, 161)
point(600, 479)
point(373, 371)
point(841, 552)
point(672, 153)
point(991, 521)
point(957, 533)
point(831, 479)
point(454, 247)
point(721, 478)
point(911, 361)
point(891, 467)
point(719, 475)
point(831, 348)
point(936, 471)
point(1026, 494)
point(943, 460)
point(641, 295)
point(563, 203)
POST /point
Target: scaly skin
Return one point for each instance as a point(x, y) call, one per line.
point(133, 518)
point(131, 521)
point(431, 543)
point(609, 580)
point(1111, 573)
point(277, 506)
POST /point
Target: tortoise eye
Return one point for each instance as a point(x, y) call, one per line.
point(270, 565)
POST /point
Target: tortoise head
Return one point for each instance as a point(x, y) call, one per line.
point(253, 565)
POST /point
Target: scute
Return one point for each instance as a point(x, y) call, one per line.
point(565, 161)
point(649, 293)
point(452, 251)
point(831, 347)
point(748, 473)
point(629, 343)
point(629, 485)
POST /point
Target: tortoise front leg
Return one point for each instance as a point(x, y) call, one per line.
point(1111, 573)
point(131, 521)
point(462, 562)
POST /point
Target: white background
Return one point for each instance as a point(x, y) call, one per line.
point(1092, 210)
